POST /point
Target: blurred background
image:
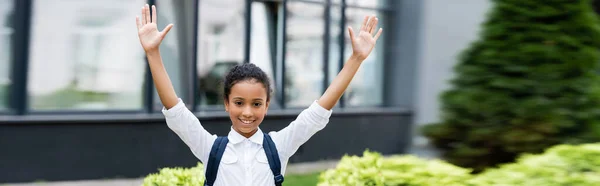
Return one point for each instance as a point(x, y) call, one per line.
point(77, 100)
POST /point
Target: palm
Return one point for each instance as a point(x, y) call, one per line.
point(150, 37)
point(364, 42)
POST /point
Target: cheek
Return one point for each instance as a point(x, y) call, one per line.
point(234, 112)
point(260, 115)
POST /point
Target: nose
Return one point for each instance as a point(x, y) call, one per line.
point(247, 112)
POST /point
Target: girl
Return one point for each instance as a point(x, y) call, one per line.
point(244, 158)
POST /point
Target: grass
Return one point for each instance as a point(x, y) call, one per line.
point(302, 179)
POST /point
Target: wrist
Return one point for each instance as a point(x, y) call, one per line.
point(152, 52)
point(356, 58)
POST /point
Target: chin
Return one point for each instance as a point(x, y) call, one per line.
point(247, 129)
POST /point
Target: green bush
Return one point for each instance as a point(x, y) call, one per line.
point(376, 170)
point(194, 176)
point(177, 176)
point(529, 82)
point(560, 165)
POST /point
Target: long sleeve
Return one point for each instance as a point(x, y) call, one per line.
point(187, 126)
point(308, 122)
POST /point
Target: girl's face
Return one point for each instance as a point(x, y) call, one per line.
point(247, 106)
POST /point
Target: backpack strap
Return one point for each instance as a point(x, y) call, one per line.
point(214, 160)
point(273, 157)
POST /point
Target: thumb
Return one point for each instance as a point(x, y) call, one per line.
point(166, 30)
point(351, 34)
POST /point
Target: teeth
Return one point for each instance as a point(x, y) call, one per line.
point(246, 121)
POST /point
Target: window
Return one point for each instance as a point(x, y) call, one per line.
point(366, 89)
point(173, 12)
point(304, 50)
point(363, 3)
point(334, 42)
point(6, 30)
point(264, 41)
point(88, 57)
point(220, 46)
point(85, 55)
point(304, 53)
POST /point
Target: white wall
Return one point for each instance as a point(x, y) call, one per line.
point(448, 27)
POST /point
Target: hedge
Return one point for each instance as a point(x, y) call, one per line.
point(558, 166)
point(407, 170)
point(176, 176)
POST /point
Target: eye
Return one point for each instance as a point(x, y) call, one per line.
point(238, 103)
point(257, 104)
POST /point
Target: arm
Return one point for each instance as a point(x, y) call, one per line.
point(163, 84)
point(362, 45)
point(179, 119)
point(316, 116)
point(150, 38)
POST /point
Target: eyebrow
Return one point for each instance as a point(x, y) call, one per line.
point(255, 99)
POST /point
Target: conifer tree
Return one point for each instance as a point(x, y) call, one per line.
point(528, 82)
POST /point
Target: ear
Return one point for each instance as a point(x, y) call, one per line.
point(267, 106)
point(226, 103)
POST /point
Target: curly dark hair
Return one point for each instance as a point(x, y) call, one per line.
point(246, 72)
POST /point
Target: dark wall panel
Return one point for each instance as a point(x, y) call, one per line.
point(117, 149)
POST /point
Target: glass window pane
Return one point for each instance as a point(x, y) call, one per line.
point(87, 57)
point(264, 42)
point(334, 44)
point(170, 47)
point(220, 45)
point(364, 3)
point(318, 1)
point(366, 89)
point(6, 31)
point(304, 55)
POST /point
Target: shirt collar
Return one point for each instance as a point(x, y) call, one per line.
point(235, 137)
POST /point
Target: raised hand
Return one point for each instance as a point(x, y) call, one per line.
point(150, 37)
point(364, 42)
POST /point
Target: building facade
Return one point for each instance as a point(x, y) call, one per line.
point(77, 100)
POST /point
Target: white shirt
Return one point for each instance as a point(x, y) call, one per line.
point(244, 161)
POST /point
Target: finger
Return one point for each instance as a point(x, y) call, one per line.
point(137, 22)
point(378, 33)
point(144, 16)
point(364, 25)
point(154, 14)
point(148, 20)
point(368, 26)
point(351, 34)
point(374, 22)
point(166, 30)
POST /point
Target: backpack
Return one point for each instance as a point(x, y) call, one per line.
point(218, 149)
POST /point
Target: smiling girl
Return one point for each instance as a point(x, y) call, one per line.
point(247, 155)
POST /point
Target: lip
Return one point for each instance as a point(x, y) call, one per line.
point(244, 123)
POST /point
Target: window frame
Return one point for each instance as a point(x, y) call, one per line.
point(22, 18)
point(17, 95)
point(280, 63)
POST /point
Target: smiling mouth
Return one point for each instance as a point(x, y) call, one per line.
point(246, 121)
